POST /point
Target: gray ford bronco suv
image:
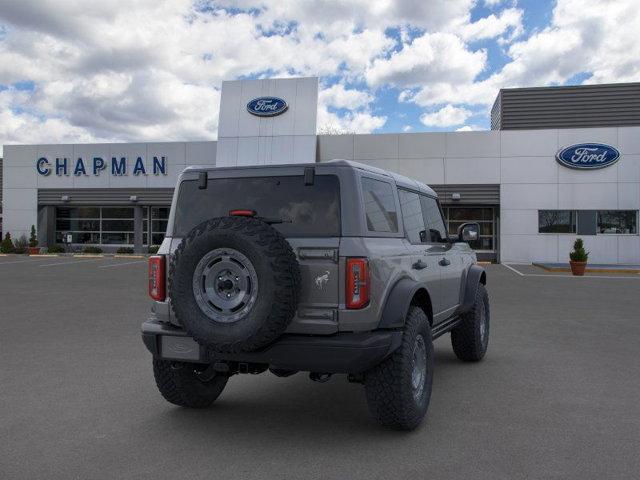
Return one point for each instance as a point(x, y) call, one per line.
point(326, 268)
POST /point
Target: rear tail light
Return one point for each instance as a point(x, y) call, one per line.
point(157, 277)
point(357, 283)
point(242, 213)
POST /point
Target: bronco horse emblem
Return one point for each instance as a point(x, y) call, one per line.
point(321, 280)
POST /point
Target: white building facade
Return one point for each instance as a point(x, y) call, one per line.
point(531, 207)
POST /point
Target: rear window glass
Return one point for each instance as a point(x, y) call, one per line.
point(306, 210)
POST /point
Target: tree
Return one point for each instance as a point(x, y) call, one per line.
point(7, 244)
point(33, 239)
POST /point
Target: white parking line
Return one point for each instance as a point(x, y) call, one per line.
point(565, 276)
point(513, 269)
point(121, 264)
point(69, 263)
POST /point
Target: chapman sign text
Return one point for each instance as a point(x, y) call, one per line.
point(118, 166)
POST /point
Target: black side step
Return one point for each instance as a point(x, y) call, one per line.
point(444, 327)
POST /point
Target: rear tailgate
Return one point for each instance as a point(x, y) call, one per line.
point(319, 298)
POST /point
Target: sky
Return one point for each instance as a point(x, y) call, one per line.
point(75, 71)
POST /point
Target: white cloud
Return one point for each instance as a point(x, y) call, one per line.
point(151, 69)
point(469, 128)
point(509, 20)
point(583, 37)
point(432, 57)
point(351, 122)
point(338, 96)
point(447, 116)
point(407, 128)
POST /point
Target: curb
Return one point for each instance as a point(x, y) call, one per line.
point(589, 270)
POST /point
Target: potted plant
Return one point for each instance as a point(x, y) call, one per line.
point(7, 244)
point(578, 258)
point(33, 242)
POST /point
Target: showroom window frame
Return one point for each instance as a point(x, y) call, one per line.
point(575, 214)
point(100, 230)
point(617, 210)
point(577, 220)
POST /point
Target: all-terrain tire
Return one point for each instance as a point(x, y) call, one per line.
point(179, 384)
point(389, 385)
point(470, 338)
point(276, 292)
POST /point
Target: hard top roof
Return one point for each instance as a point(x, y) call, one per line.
point(400, 180)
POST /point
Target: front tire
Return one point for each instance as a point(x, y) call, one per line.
point(398, 390)
point(470, 339)
point(179, 384)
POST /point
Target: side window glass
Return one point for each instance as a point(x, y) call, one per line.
point(412, 216)
point(436, 232)
point(379, 206)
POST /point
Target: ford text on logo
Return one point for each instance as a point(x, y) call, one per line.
point(588, 156)
point(117, 167)
point(267, 106)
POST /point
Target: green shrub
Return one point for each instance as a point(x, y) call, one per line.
point(154, 248)
point(21, 244)
point(124, 250)
point(56, 249)
point(92, 250)
point(7, 244)
point(579, 254)
point(33, 238)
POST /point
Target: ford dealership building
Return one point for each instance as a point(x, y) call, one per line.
point(559, 162)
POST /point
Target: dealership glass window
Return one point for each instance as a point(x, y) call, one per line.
point(158, 227)
point(412, 216)
point(618, 221)
point(95, 225)
point(379, 205)
point(556, 221)
point(484, 216)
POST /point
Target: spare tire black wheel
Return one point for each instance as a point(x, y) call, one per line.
point(234, 284)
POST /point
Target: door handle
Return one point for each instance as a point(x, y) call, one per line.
point(419, 265)
point(444, 262)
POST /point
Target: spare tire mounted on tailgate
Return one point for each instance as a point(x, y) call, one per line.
point(234, 284)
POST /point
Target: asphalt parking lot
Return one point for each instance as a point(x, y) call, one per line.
point(558, 395)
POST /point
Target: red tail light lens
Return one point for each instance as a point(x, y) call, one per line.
point(357, 283)
point(242, 213)
point(157, 278)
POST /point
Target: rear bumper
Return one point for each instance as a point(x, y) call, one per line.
point(339, 353)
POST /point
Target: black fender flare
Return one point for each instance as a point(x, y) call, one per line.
point(398, 302)
point(475, 276)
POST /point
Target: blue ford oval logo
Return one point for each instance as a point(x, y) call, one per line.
point(267, 106)
point(588, 156)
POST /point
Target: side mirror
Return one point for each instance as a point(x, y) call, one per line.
point(468, 232)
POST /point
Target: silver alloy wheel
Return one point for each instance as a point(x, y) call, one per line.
point(225, 285)
point(419, 370)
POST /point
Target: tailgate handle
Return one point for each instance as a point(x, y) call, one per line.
point(318, 254)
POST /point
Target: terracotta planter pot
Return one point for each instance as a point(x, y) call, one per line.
point(578, 268)
point(34, 250)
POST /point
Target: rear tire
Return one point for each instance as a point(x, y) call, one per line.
point(470, 339)
point(398, 390)
point(179, 384)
